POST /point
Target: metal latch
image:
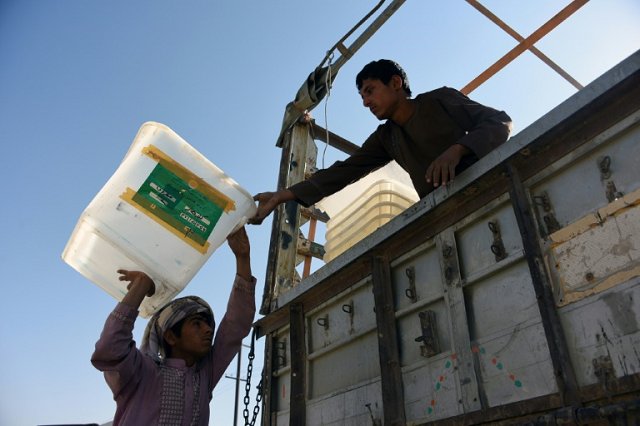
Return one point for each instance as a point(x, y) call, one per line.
point(281, 353)
point(549, 218)
point(323, 322)
point(429, 336)
point(411, 291)
point(604, 166)
point(497, 248)
point(449, 259)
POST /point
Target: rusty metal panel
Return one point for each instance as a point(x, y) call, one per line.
point(606, 252)
point(605, 326)
point(489, 239)
point(344, 369)
point(517, 305)
point(508, 342)
point(584, 180)
point(358, 405)
point(413, 349)
point(594, 254)
point(430, 384)
point(342, 339)
point(413, 277)
point(508, 338)
point(347, 315)
point(349, 365)
point(592, 233)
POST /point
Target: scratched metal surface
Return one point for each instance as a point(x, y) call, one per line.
point(475, 281)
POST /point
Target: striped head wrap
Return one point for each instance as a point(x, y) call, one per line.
point(167, 317)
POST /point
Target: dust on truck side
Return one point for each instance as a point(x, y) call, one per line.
point(511, 296)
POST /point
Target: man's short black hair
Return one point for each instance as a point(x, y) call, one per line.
point(177, 330)
point(383, 70)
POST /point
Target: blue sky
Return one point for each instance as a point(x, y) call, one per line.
point(79, 78)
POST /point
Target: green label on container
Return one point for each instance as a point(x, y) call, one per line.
point(179, 200)
point(183, 208)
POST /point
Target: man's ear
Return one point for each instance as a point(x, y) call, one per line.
point(170, 337)
point(396, 82)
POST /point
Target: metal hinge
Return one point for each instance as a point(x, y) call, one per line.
point(429, 336)
point(604, 166)
point(411, 291)
point(281, 353)
point(549, 218)
point(497, 247)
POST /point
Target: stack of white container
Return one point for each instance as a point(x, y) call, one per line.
point(364, 206)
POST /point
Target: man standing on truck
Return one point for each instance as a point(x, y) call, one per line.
point(434, 137)
point(170, 379)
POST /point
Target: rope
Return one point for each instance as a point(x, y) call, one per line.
point(329, 57)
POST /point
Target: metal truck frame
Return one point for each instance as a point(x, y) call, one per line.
point(511, 296)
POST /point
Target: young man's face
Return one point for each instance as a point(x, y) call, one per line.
point(380, 98)
point(195, 340)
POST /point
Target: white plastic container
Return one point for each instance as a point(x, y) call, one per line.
point(164, 211)
point(375, 206)
point(337, 202)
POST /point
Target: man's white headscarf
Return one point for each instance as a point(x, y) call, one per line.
point(167, 317)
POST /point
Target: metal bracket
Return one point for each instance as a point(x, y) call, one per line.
point(348, 308)
point(307, 248)
point(612, 192)
point(374, 421)
point(324, 322)
point(447, 253)
point(411, 291)
point(429, 336)
point(549, 218)
point(604, 166)
point(498, 246)
point(552, 223)
point(281, 353)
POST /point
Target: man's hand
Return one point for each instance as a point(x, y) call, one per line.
point(268, 202)
point(443, 168)
point(239, 245)
point(140, 285)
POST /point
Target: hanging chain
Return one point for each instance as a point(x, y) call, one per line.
point(247, 387)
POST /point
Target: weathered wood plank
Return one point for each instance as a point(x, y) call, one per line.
point(554, 332)
point(471, 399)
point(298, 367)
point(390, 372)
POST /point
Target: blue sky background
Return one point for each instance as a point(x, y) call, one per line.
point(79, 78)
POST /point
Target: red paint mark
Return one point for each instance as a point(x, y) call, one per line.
point(433, 402)
point(442, 378)
point(512, 377)
point(454, 356)
point(475, 349)
point(494, 361)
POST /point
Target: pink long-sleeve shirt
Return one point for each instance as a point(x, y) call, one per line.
point(170, 393)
